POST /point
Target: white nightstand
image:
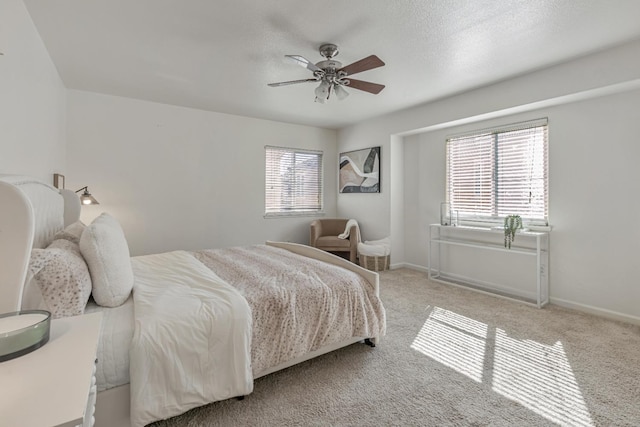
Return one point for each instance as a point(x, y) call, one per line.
point(53, 386)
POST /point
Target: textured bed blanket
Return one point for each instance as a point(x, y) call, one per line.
point(192, 338)
point(298, 304)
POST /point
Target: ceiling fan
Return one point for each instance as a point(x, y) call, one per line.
point(333, 77)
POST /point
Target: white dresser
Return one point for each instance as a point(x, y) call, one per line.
point(55, 385)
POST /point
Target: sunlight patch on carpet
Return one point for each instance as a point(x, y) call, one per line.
point(535, 375)
point(456, 341)
point(539, 377)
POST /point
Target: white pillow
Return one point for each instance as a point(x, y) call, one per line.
point(62, 278)
point(105, 250)
point(72, 232)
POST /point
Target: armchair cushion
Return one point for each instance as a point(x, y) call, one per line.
point(333, 242)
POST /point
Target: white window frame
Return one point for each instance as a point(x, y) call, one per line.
point(487, 159)
point(277, 205)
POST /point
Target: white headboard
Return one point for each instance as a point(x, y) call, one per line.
point(31, 213)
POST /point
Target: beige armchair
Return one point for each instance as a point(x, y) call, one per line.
point(324, 235)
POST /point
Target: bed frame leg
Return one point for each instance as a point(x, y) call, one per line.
point(239, 397)
point(370, 343)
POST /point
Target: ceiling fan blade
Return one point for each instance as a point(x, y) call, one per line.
point(291, 82)
point(374, 88)
point(304, 62)
point(368, 63)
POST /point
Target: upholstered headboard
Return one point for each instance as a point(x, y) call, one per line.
point(31, 213)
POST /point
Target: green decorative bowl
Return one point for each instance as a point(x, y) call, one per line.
point(22, 332)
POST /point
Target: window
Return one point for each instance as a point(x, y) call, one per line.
point(293, 181)
point(498, 172)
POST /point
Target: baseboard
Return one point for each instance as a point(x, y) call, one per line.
point(585, 308)
point(410, 266)
point(602, 312)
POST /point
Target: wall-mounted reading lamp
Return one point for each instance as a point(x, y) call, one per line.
point(86, 198)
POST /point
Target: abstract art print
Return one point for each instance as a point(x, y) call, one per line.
point(360, 171)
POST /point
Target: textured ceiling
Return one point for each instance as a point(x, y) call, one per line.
point(220, 55)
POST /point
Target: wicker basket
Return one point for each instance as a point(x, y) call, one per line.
point(374, 263)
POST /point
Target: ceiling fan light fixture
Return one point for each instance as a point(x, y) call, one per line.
point(340, 92)
point(323, 91)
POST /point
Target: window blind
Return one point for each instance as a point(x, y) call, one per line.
point(497, 172)
point(293, 181)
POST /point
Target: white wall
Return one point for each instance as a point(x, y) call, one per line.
point(594, 119)
point(32, 99)
point(180, 178)
point(372, 210)
point(592, 172)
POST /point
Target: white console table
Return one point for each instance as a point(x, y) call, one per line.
point(484, 239)
point(53, 386)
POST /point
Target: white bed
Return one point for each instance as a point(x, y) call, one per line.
point(32, 215)
point(113, 346)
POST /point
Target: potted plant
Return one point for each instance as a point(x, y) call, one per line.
point(512, 223)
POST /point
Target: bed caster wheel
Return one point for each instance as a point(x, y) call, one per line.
point(370, 343)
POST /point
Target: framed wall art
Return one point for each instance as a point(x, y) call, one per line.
point(360, 171)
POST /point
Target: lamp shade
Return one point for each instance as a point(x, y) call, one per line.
point(86, 198)
point(323, 91)
point(341, 93)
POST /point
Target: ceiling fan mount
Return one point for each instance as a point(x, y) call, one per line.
point(333, 77)
point(329, 50)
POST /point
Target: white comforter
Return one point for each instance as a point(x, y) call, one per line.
point(192, 339)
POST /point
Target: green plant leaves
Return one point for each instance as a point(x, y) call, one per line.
point(511, 224)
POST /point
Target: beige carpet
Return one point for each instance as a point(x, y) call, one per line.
point(453, 357)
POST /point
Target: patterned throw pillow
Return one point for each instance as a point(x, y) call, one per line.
point(72, 232)
point(62, 276)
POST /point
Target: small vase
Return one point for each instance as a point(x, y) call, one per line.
point(453, 217)
point(445, 213)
